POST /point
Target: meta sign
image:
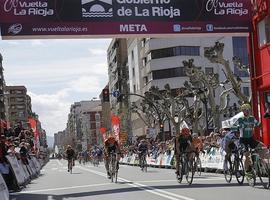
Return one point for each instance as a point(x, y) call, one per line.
point(121, 18)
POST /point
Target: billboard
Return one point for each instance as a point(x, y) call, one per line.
point(122, 18)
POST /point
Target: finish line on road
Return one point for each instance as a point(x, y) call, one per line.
point(158, 192)
point(63, 188)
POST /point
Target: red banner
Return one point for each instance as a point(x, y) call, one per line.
point(116, 127)
point(33, 125)
point(120, 18)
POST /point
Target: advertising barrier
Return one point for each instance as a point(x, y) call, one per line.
point(4, 194)
point(20, 173)
point(24, 172)
point(121, 18)
point(213, 159)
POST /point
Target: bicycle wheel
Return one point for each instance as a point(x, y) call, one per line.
point(251, 177)
point(70, 167)
point(263, 173)
point(179, 176)
point(111, 166)
point(144, 164)
point(228, 172)
point(190, 171)
point(198, 167)
point(116, 171)
point(239, 171)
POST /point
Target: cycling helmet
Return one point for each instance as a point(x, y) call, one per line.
point(185, 131)
point(110, 139)
point(245, 106)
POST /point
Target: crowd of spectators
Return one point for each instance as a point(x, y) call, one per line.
point(19, 142)
point(157, 147)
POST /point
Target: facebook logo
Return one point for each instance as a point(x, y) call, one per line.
point(210, 27)
point(176, 27)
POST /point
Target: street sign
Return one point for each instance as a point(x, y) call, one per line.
point(116, 93)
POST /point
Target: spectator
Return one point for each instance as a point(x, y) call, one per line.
point(267, 111)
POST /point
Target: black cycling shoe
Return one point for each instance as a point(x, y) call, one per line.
point(109, 175)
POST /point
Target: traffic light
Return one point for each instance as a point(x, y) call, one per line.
point(161, 126)
point(105, 95)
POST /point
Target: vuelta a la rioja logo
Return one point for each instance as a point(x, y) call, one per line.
point(221, 7)
point(28, 8)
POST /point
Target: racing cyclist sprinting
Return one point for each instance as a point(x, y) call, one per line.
point(70, 155)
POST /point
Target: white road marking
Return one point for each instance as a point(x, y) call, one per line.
point(158, 192)
point(64, 188)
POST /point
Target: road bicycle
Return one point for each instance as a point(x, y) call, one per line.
point(113, 166)
point(70, 165)
point(198, 165)
point(235, 167)
point(186, 167)
point(260, 169)
point(143, 162)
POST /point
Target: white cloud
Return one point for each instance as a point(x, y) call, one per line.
point(52, 110)
point(86, 84)
point(37, 43)
point(97, 52)
point(56, 73)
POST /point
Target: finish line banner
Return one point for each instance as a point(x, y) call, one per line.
point(121, 18)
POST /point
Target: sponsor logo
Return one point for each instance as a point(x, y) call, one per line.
point(28, 8)
point(15, 29)
point(221, 7)
point(209, 27)
point(177, 28)
point(94, 8)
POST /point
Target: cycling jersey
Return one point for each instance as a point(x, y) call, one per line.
point(143, 148)
point(246, 125)
point(70, 154)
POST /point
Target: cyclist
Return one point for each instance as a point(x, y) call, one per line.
point(182, 144)
point(246, 124)
point(110, 145)
point(94, 153)
point(70, 155)
point(197, 143)
point(142, 151)
point(229, 144)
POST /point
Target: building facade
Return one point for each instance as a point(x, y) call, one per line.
point(3, 99)
point(159, 61)
point(19, 104)
point(84, 121)
point(119, 82)
point(260, 72)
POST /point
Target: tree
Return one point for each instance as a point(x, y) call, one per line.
point(215, 55)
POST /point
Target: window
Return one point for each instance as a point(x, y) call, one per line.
point(263, 30)
point(134, 88)
point(132, 55)
point(267, 97)
point(143, 42)
point(169, 73)
point(133, 72)
point(209, 70)
point(145, 80)
point(144, 61)
point(19, 92)
point(97, 117)
point(246, 91)
point(176, 51)
point(240, 50)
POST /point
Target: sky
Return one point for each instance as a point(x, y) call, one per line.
point(56, 73)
